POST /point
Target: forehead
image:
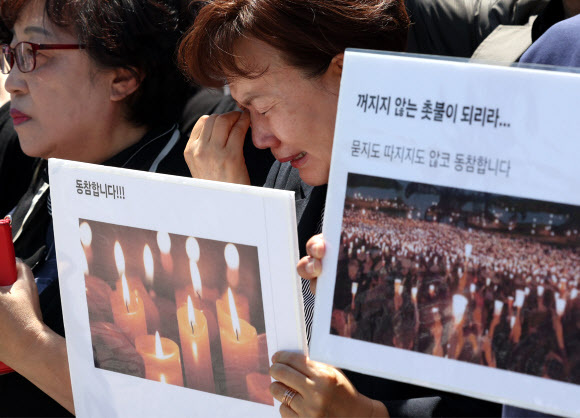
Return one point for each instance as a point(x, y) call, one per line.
point(33, 23)
point(263, 60)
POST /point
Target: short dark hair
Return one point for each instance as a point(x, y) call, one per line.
point(139, 35)
point(309, 33)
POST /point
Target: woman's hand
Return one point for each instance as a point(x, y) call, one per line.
point(310, 267)
point(28, 345)
point(20, 316)
point(321, 390)
point(215, 148)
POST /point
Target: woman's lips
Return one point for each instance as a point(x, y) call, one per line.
point(296, 160)
point(18, 117)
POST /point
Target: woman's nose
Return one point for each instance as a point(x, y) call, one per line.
point(15, 83)
point(262, 137)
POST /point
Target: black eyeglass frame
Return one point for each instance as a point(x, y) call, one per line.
point(9, 54)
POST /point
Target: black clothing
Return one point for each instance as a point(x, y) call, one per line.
point(457, 27)
point(552, 14)
point(401, 399)
point(32, 246)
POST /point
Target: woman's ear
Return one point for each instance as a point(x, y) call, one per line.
point(125, 82)
point(336, 63)
point(333, 74)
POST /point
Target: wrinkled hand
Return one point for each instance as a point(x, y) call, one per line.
point(20, 316)
point(215, 148)
point(321, 389)
point(310, 267)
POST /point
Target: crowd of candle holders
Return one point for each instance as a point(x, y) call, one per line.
point(500, 298)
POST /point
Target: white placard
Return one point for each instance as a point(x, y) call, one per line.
point(460, 182)
point(208, 266)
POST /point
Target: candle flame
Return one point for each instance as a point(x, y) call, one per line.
point(119, 258)
point(195, 277)
point(560, 306)
point(498, 306)
point(164, 242)
point(192, 249)
point(232, 256)
point(158, 346)
point(414, 292)
point(190, 313)
point(148, 262)
point(520, 296)
point(85, 264)
point(86, 234)
point(126, 293)
point(459, 304)
point(234, 314)
point(354, 288)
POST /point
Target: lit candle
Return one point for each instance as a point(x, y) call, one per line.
point(128, 310)
point(194, 337)
point(459, 304)
point(498, 306)
point(161, 358)
point(560, 306)
point(397, 286)
point(192, 249)
point(239, 342)
point(233, 265)
point(414, 294)
point(353, 290)
point(242, 305)
point(468, 249)
point(164, 243)
point(86, 239)
point(149, 266)
point(520, 296)
point(540, 291)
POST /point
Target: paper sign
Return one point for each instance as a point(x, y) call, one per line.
point(176, 292)
point(452, 226)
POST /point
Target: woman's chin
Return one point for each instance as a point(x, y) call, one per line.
point(313, 177)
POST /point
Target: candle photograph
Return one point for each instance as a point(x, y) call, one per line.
point(179, 310)
point(476, 277)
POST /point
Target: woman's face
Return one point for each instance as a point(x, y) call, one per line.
point(62, 108)
point(292, 115)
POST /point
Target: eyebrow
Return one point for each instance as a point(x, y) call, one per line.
point(31, 30)
point(247, 101)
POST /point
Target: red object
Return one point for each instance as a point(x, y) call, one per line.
point(7, 264)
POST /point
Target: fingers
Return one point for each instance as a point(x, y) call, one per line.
point(315, 246)
point(296, 361)
point(309, 268)
point(294, 407)
point(222, 130)
point(239, 130)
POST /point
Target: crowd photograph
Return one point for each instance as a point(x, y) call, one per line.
point(246, 92)
point(470, 276)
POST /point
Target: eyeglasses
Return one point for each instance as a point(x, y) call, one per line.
point(24, 53)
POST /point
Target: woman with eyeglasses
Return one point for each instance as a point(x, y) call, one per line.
point(92, 81)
